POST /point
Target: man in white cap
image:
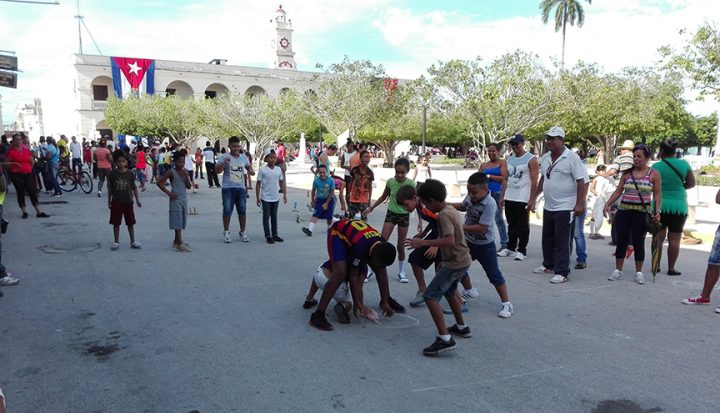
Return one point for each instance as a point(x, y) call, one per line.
point(562, 178)
point(621, 164)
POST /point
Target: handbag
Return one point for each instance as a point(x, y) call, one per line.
point(650, 226)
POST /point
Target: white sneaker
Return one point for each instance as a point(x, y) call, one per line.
point(542, 270)
point(243, 237)
point(369, 276)
point(505, 253)
point(403, 279)
point(639, 278)
point(471, 293)
point(615, 275)
point(558, 279)
point(507, 310)
point(226, 234)
point(519, 256)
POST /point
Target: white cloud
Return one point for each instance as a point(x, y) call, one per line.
point(617, 33)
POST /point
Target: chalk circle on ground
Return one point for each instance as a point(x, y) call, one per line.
point(398, 321)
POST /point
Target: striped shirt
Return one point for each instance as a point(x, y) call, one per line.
point(631, 197)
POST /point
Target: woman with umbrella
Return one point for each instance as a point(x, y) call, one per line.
point(677, 177)
point(636, 189)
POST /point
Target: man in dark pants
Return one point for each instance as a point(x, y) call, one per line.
point(562, 178)
point(209, 154)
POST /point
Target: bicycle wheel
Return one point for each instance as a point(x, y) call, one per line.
point(66, 180)
point(86, 182)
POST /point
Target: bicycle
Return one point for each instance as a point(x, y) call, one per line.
point(69, 180)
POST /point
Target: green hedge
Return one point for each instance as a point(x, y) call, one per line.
point(708, 180)
point(448, 161)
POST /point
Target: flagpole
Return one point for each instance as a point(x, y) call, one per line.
point(79, 19)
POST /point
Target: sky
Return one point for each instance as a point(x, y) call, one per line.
point(405, 36)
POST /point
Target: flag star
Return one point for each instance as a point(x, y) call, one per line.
point(134, 68)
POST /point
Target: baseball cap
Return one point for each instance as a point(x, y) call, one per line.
point(556, 132)
point(517, 138)
point(267, 152)
point(332, 147)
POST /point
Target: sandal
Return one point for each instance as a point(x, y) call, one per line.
point(673, 272)
point(309, 304)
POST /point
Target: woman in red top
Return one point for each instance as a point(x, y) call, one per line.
point(20, 162)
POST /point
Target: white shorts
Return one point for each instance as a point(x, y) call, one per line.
point(342, 295)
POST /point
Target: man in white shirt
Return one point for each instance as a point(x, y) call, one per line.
point(562, 178)
point(76, 153)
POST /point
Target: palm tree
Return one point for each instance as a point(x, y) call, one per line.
point(566, 11)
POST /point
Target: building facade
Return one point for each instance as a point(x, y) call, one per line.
point(94, 79)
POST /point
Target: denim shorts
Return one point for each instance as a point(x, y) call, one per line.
point(445, 283)
point(234, 197)
point(714, 258)
point(486, 255)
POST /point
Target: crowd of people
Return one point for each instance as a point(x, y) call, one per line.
point(635, 195)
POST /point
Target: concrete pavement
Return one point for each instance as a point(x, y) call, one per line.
point(222, 329)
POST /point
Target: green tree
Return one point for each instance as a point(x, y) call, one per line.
point(259, 119)
point(348, 97)
point(512, 94)
point(699, 60)
point(566, 12)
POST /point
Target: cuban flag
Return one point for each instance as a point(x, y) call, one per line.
point(131, 75)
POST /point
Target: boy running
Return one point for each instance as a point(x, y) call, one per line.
point(480, 209)
point(422, 258)
point(179, 184)
point(121, 188)
point(455, 263)
point(323, 199)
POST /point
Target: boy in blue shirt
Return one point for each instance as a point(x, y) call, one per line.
point(480, 209)
point(323, 198)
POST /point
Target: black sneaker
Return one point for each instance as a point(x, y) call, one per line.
point(307, 231)
point(342, 313)
point(580, 266)
point(309, 304)
point(439, 346)
point(457, 331)
point(277, 239)
point(396, 306)
point(318, 320)
point(270, 240)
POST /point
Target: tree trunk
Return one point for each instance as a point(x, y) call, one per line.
point(562, 58)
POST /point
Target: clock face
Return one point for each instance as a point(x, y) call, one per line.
point(285, 63)
point(284, 43)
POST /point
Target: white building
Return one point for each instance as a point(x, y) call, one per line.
point(94, 82)
point(29, 119)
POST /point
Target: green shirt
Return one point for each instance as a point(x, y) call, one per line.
point(674, 195)
point(394, 185)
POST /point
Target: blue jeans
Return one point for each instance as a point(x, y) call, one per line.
point(579, 236)
point(53, 168)
point(487, 257)
point(234, 198)
point(500, 222)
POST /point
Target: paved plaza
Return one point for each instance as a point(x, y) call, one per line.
point(222, 329)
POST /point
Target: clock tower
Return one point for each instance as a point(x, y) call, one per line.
point(284, 59)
